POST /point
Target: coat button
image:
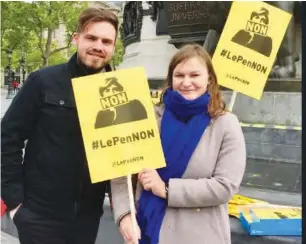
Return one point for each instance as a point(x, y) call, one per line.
point(62, 102)
point(198, 210)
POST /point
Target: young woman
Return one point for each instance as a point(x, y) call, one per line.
point(186, 202)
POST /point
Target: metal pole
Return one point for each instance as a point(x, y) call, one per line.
point(23, 73)
point(232, 102)
point(22, 64)
point(10, 94)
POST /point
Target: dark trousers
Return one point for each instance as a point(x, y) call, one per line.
point(37, 229)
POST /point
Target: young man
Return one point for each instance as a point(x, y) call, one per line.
point(48, 192)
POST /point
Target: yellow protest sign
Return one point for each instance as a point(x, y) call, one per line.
point(118, 123)
point(248, 46)
point(278, 213)
point(155, 96)
point(238, 200)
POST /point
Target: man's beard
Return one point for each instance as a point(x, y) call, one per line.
point(90, 69)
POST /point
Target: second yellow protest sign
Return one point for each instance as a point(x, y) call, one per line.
point(118, 123)
point(248, 46)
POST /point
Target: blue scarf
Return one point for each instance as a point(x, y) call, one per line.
point(183, 123)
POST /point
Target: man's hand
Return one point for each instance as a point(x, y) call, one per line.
point(14, 211)
point(151, 181)
point(127, 232)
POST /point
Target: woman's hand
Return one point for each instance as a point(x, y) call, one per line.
point(151, 181)
point(127, 232)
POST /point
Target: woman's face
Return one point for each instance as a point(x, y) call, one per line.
point(190, 78)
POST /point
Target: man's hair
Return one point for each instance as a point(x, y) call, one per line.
point(92, 15)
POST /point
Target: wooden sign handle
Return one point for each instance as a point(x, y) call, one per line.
point(132, 205)
point(232, 102)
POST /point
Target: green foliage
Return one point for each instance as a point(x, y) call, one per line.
point(118, 56)
point(28, 27)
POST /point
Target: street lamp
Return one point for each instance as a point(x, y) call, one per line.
point(22, 64)
point(10, 95)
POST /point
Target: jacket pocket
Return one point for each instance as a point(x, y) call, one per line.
point(59, 114)
point(56, 100)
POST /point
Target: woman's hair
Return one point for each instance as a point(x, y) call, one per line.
point(216, 105)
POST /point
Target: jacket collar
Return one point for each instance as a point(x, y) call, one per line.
point(77, 69)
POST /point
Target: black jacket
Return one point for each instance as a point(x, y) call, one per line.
point(52, 178)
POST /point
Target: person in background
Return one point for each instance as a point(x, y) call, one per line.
point(15, 86)
point(48, 191)
point(204, 148)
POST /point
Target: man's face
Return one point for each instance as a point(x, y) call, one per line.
point(96, 44)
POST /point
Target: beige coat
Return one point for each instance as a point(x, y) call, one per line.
point(197, 211)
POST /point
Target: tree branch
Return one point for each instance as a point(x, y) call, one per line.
point(38, 29)
point(3, 31)
point(40, 45)
point(59, 49)
point(49, 33)
point(2, 35)
point(13, 47)
point(49, 41)
point(62, 48)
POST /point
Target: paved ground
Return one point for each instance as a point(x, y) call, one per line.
point(8, 239)
point(273, 175)
point(5, 103)
point(108, 232)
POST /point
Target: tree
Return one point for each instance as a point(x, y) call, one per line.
point(30, 26)
point(118, 56)
point(13, 30)
point(14, 33)
point(49, 16)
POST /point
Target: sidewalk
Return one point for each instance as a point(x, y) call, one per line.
point(5, 103)
point(274, 197)
point(8, 239)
